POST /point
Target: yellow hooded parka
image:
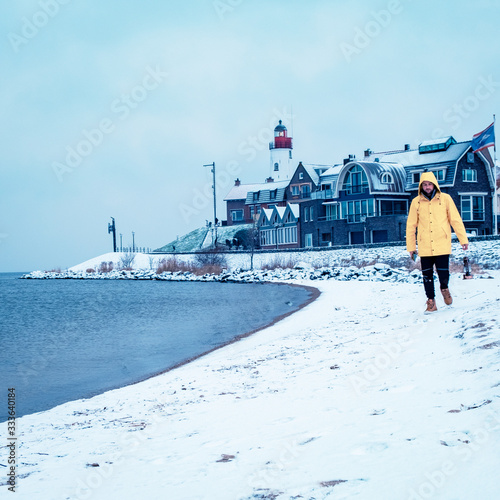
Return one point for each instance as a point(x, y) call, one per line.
point(432, 219)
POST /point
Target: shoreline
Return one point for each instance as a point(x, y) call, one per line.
point(359, 392)
point(315, 293)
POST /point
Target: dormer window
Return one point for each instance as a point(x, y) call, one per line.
point(273, 194)
point(256, 196)
point(439, 175)
point(276, 167)
point(387, 178)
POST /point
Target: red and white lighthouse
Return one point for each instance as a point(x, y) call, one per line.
point(281, 154)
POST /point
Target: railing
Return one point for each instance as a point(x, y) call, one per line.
point(355, 190)
point(323, 195)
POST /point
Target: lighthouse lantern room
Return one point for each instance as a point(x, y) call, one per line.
point(281, 154)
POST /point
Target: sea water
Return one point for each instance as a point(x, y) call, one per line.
point(63, 340)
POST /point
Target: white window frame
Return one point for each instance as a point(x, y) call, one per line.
point(239, 210)
point(308, 240)
point(474, 175)
point(468, 214)
point(439, 174)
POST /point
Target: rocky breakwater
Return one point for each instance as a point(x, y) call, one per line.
point(301, 271)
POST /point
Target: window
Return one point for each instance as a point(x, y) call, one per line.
point(276, 167)
point(332, 211)
point(256, 196)
point(326, 187)
point(252, 211)
point(236, 215)
point(301, 175)
point(387, 178)
point(355, 181)
point(308, 240)
point(306, 214)
point(306, 191)
point(469, 175)
point(393, 207)
point(470, 157)
point(415, 177)
point(353, 211)
point(439, 174)
point(295, 190)
point(310, 213)
point(472, 208)
point(273, 194)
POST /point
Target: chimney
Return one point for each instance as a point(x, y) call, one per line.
point(407, 147)
point(351, 158)
point(237, 182)
point(368, 152)
point(269, 179)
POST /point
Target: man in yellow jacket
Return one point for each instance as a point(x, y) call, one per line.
point(431, 215)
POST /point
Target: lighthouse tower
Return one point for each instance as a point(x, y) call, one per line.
point(281, 154)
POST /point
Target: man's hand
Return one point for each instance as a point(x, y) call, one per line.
point(465, 247)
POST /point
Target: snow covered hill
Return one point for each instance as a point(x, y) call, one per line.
point(359, 395)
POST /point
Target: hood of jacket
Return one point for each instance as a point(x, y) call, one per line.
point(430, 177)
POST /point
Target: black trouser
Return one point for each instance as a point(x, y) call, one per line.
point(442, 263)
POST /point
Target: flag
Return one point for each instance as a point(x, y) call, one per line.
point(484, 139)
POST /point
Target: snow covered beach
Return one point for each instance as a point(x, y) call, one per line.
point(357, 395)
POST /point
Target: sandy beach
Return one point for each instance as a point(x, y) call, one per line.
point(357, 395)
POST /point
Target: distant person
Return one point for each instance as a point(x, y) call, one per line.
point(431, 215)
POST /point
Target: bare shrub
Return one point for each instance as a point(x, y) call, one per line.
point(280, 262)
point(90, 270)
point(105, 267)
point(173, 265)
point(126, 261)
point(210, 258)
point(56, 270)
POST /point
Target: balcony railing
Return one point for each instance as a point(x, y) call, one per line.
point(355, 190)
point(323, 195)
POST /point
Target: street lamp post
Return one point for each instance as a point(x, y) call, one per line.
point(121, 245)
point(215, 203)
point(112, 229)
point(133, 242)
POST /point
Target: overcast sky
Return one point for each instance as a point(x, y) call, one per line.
point(111, 108)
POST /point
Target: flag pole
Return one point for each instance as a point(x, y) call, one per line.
point(495, 195)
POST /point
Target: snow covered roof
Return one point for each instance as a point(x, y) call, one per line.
point(295, 209)
point(394, 182)
point(240, 192)
point(412, 157)
point(264, 192)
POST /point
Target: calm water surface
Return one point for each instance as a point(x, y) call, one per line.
point(69, 339)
